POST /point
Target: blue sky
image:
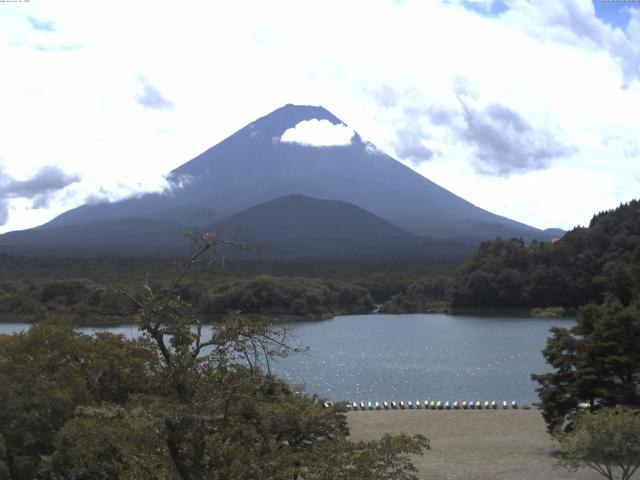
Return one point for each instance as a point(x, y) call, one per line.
point(527, 108)
point(616, 13)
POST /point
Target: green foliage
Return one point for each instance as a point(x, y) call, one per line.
point(607, 441)
point(386, 459)
point(303, 297)
point(573, 271)
point(595, 362)
point(86, 289)
point(176, 404)
point(426, 294)
point(109, 442)
point(50, 370)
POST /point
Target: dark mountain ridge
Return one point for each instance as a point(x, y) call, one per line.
point(295, 227)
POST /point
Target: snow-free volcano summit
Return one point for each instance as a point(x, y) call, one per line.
point(269, 159)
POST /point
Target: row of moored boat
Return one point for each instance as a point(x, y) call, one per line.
point(430, 405)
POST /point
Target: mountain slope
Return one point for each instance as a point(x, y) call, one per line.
point(121, 237)
point(253, 166)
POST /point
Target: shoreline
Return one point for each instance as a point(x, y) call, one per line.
point(472, 445)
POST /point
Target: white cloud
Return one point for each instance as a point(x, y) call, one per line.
point(318, 133)
point(390, 69)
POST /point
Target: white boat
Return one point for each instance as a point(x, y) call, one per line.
point(472, 405)
point(486, 405)
point(504, 404)
point(410, 405)
point(402, 405)
point(456, 405)
point(377, 406)
point(432, 405)
point(439, 405)
point(394, 405)
point(362, 407)
point(418, 405)
point(465, 405)
point(494, 405)
point(355, 406)
point(369, 406)
point(447, 405)
point(514, 404)
point(385, 405)
point(478, 404)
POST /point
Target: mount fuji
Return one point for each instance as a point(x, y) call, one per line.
point(259, 164)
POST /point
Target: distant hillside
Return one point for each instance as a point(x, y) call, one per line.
point(119, 237)
point(577, 269)
point(299, 227)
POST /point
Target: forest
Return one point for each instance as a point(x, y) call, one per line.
point(87, 290)
point(577, 269)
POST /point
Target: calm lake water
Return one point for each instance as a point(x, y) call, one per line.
point(411, 357)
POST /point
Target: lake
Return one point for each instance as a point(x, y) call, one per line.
point(411, 357)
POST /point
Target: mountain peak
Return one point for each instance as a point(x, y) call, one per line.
point(280, 120)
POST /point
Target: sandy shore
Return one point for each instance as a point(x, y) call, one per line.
point(473, 444)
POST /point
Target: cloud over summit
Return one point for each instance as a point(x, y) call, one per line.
point(318, 133)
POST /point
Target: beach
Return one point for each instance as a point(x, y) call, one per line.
point(473, 444)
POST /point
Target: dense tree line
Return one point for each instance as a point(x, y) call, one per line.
point(85, 289)
point(424, 295)
point(88, 302)
point(297, 296)
point(575, 270)
point(597, 362)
